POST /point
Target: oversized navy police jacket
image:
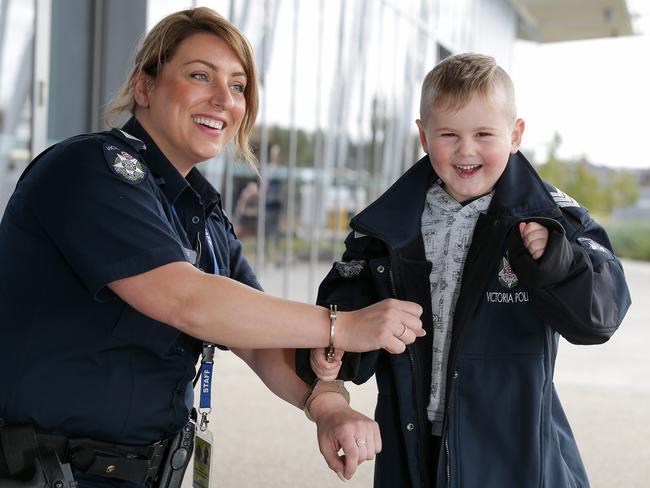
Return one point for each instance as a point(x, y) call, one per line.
point(74, 358)
point(504, 425)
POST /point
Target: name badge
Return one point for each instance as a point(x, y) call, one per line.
point(202, 473)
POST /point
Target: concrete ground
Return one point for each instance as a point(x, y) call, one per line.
point(260, 441)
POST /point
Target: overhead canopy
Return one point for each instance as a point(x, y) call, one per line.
point(571, 20)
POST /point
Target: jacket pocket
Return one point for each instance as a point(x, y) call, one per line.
point(496, 429)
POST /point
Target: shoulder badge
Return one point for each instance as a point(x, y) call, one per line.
point(124, 164)
point(507, 278)
point(593, 245)
point(348, 269)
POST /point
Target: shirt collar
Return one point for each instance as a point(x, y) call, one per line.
point(439, 199)
point(170, 180)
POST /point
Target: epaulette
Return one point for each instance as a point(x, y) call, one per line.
point(562, 199)
point(132, 141)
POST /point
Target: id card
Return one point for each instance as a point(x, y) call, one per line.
point(202, 459)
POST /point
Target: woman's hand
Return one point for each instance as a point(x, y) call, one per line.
point(390, 324)
point(324, 369)
point(535, 238)
point(339, 427)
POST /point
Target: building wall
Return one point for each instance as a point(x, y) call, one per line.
point(346, 72)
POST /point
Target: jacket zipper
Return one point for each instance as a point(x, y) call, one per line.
point(392, 282)
point(448, 461)
point(446, 432)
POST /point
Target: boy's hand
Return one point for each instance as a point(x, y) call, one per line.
point(325, 370)
point(535, 238)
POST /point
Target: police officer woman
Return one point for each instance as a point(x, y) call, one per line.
point(118, 264)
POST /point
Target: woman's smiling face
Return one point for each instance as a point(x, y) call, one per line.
point(197, 104)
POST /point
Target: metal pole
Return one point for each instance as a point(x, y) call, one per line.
point(338, 94)
point(4, 14)
point(41, 87)
point(360, 162)
point(317, 185)
point(229, 178)
point(293, 146)
point(264, 148)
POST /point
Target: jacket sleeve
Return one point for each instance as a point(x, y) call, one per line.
point(578, 285)
point(349, 286)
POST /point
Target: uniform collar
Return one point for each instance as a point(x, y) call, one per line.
point(170, 180)
point(521, 192)
point(395, 216)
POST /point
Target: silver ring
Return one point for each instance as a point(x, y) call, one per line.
point(360, 442)
point(403, 332)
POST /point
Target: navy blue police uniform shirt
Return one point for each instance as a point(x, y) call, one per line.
point(74, 358)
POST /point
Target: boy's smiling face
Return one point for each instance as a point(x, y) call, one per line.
point(469, 147)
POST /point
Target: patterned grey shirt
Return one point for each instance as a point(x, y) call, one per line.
point(447, 228)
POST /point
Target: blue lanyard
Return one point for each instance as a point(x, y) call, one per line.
point(208, 239)
point(207, 356)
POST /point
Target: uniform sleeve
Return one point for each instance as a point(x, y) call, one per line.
point(578, 285)
point(105, 226)
point(349, 286)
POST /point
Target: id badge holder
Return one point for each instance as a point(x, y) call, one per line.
point(202, 468)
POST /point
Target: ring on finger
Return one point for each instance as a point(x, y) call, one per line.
point(403, 332)
point(360, 442)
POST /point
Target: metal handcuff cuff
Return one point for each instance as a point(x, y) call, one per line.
point(335, 386)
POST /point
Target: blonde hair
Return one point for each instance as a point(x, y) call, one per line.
point(455, 80)
point(160, 45)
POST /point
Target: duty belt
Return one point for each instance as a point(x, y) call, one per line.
point(20, 445)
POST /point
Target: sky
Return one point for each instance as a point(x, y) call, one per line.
point(594, 93)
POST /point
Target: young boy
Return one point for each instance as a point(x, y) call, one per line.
point(503, 263)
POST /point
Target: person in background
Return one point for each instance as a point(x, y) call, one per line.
point(503, 264)
point(120, 269)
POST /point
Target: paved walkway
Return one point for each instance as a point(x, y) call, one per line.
point(260, 441)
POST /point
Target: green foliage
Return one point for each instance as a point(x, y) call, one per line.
point(585, 187)
point(599, 193)
point(624, 190)
point(553, 169)
point(630, 239)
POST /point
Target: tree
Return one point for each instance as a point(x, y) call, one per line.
point(600, 194)
point(553, 169)
point(624, 190)
point(585, 187)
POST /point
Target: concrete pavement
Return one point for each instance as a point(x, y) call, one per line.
point(260, 441)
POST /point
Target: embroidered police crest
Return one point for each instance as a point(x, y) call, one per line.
point(125, 165)
point(507, 277)
point(348, 269)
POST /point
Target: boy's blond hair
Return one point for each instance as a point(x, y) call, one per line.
point(160, 45)
point(453, 82)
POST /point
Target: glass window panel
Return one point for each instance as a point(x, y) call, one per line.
point(16, 75)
